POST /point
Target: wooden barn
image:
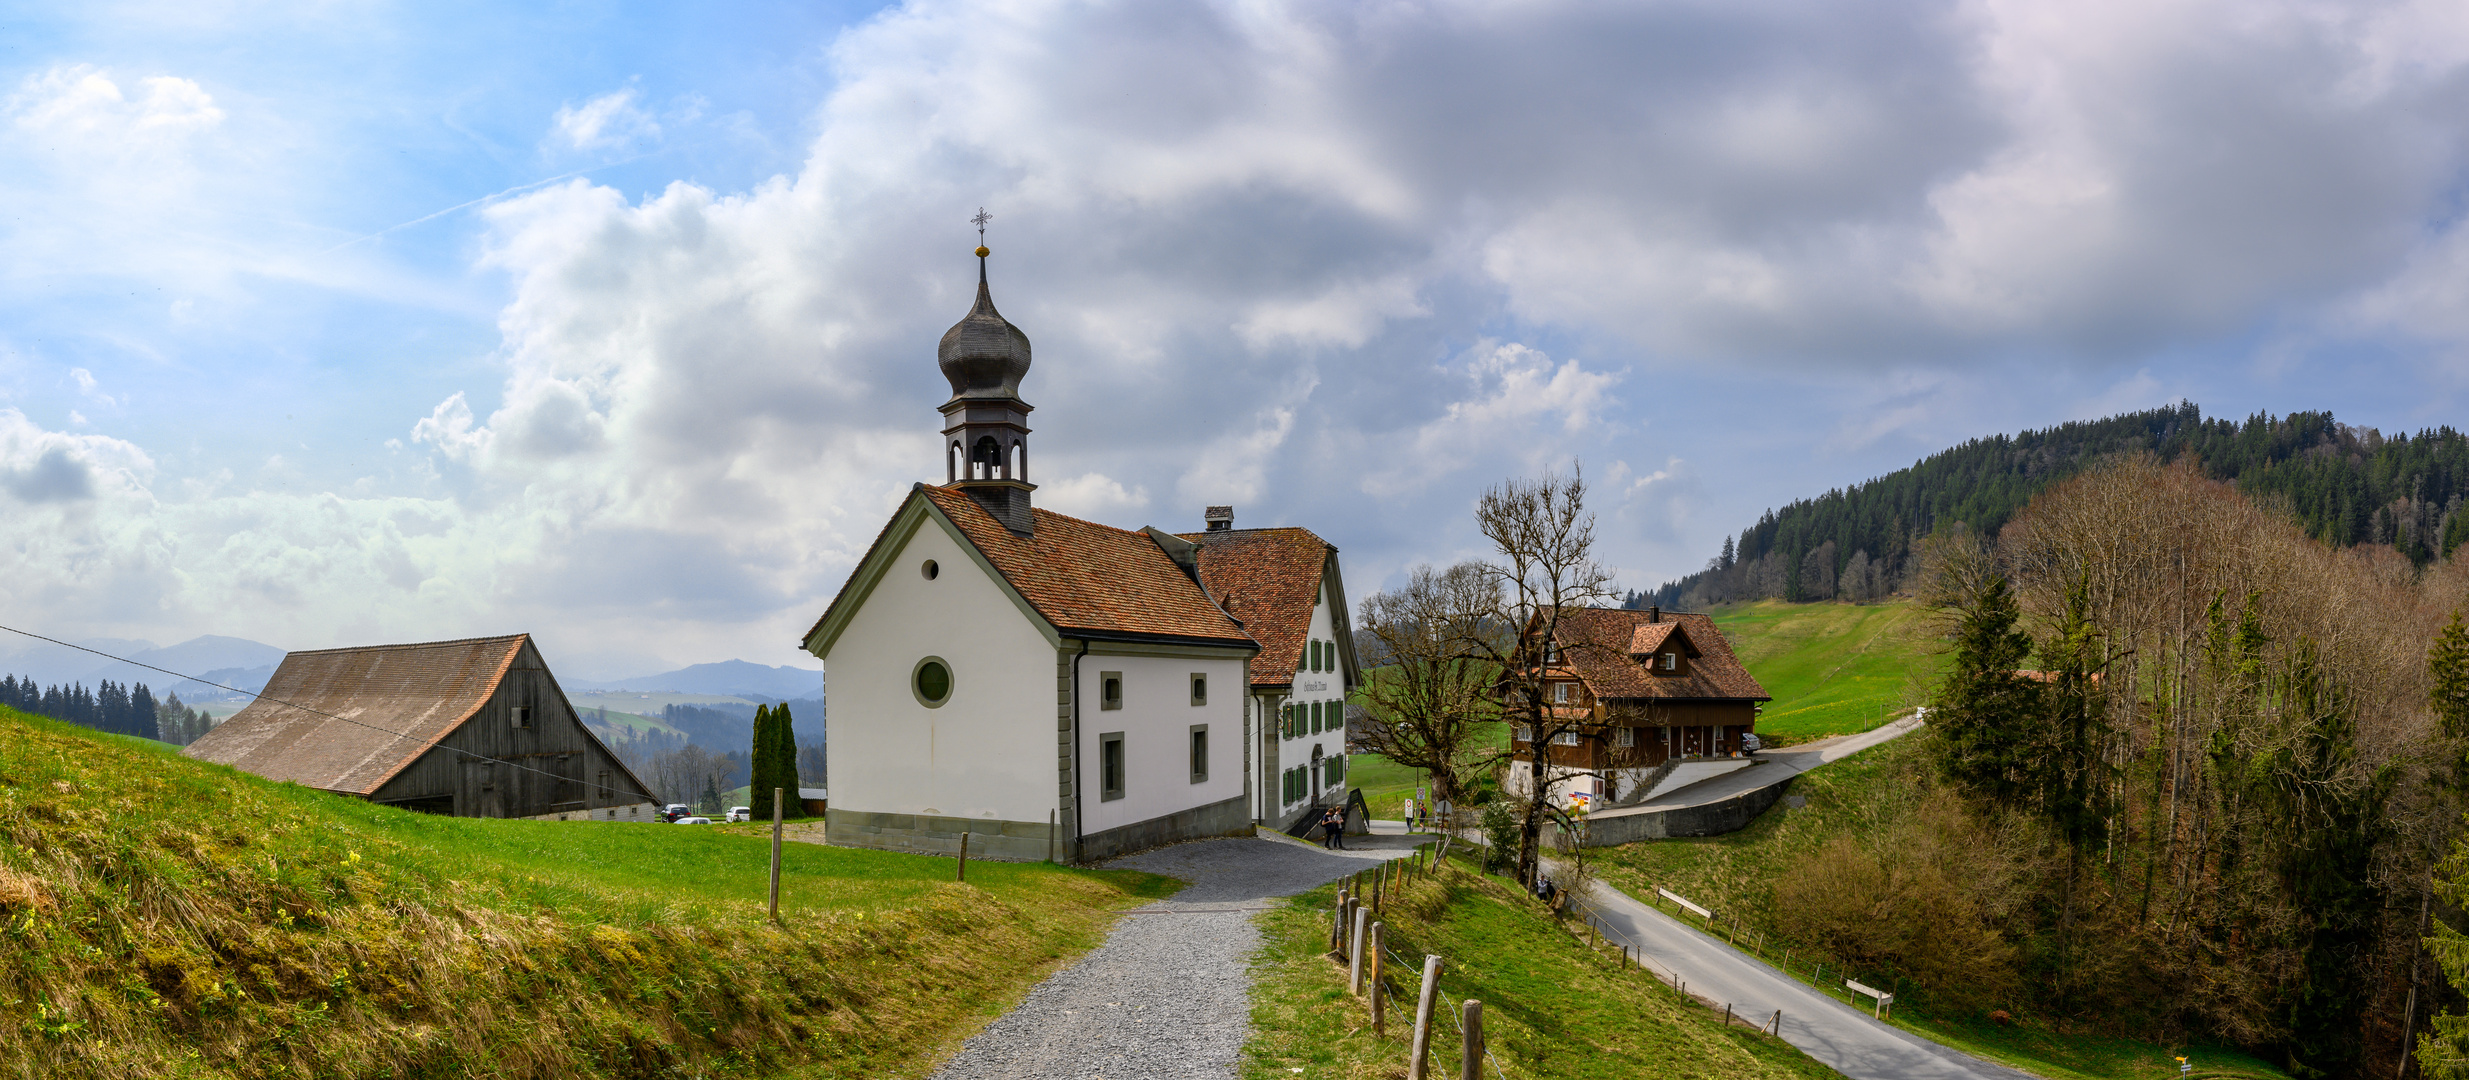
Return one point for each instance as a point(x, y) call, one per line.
point(471, 728)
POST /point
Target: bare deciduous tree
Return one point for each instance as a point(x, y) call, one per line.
point(1543, 537)
point(1431, 703)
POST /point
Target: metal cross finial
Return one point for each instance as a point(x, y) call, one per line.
point(980, 221)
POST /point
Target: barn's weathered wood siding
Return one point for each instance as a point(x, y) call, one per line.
point(575, 771)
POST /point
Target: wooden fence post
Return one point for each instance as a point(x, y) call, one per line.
point(1470, 1042)
point(964, 853)
point(1380, 1015)
point(1422, 1051)
point(776, 854)
point(1050, 836)
point(1337, 924)
point(1354, 951)
point(1778, 1023)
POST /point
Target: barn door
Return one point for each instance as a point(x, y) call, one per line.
point(484, 789)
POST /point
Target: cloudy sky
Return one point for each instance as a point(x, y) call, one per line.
point(356, 322)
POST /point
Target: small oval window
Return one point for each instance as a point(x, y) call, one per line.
point(930, 569)
point(932, 682)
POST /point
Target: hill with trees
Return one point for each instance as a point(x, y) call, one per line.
point(2344, 485)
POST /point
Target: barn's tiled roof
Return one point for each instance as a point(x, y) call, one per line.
point(1084, 576)
point(1269, 579)
point(395, 701)
point(1598, 643)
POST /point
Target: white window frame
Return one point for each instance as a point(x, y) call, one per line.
point(1525, 733)
point(1565, 737)
point(1560, 693)
point(1624, 737)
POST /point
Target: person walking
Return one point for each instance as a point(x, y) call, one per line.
point(1333, 828)
point(1410, 815)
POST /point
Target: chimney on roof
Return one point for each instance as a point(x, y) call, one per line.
point(1218, 518)
point(1655, 613)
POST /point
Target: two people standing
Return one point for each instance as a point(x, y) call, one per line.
point(1333, 828)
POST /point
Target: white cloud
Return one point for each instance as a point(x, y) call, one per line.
point(81, 101)
point(608, 122)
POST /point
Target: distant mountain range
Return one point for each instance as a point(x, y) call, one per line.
point(735, 677)
point(234, 661)
point(246, 665)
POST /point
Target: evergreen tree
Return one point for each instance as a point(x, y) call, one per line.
point(760, 769)
point(142, 721)
point(784, 760)
point(1984, 713)
point(2448, 660)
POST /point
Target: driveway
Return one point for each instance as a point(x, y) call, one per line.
point(1169, 993)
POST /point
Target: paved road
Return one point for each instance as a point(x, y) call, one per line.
point(1773, 766)
point(1169, 993)
point(1845, 1039)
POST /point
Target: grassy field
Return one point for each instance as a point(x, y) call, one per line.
point(1735, 875)
point(168, 918)
point(1832, 668)
point(1552, 1007)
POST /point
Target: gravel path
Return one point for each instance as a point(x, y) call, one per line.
point(1169, 993)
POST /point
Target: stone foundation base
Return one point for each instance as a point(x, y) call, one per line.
point(1229, 818)
point(924, 834)
point(637, 812)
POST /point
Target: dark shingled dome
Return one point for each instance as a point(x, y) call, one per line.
point(983, 355)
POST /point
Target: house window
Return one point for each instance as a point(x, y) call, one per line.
point(522, 716)
point(1319, 723)
point(1624, 737)
point(1110, 766)
point(1200, 688)
point(1560, 693)
point(1333, 771)
point(1286, 721)
point(1525, 733)
point(1671, 661)
point(1110, 690)
point(1565, 738)
point(931, 681)
point(1200, 753)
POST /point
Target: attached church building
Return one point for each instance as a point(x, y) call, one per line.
point(1057, 688)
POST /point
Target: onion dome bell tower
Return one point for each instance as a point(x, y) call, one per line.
point(985, 424)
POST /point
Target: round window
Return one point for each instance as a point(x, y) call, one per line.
point(930, 569)
point(931, 681)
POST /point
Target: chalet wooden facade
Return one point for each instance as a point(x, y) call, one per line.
point(470, 728)
point(1642, 691)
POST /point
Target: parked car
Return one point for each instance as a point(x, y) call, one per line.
point(1750, 744)
point(741, 813)
point(695, 820)
point(674, 811)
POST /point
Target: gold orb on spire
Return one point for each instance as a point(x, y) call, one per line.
point(982, 252)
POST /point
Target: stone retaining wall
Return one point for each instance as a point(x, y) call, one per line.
point(1626, 826)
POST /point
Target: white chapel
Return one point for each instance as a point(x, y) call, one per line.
point(1057, 688)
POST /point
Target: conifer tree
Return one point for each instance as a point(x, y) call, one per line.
point(784, 759)
point(760, 769)
point(1985, 714)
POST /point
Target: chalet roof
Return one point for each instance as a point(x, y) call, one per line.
point(1650, 637)
point(396, 702)
point(1269, 579)
point(1599, 644)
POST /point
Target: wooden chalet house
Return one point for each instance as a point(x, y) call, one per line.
point(470, 728)
point(1645, 690)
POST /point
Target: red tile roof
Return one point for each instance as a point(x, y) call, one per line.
point(1269, 579)
point(396, 701)
point(1083, 576)
point(1599, 644)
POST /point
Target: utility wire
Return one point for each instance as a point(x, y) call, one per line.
point(654, 799)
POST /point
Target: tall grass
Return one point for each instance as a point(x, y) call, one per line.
point(160, 917)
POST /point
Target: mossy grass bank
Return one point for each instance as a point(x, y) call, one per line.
point(1552, 1005)
point(1882, 796)
point(162, 917)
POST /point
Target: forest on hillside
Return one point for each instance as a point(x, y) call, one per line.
point(2199, 774)
point(2343, 485)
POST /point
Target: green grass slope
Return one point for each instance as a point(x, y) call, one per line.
point(161, 917)
point(1832, 668)
point(1553, 1007)
point(1867, 798)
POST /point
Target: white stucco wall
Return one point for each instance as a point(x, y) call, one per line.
point(1309, 687)
point(1156, 720)
point(990, 750)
